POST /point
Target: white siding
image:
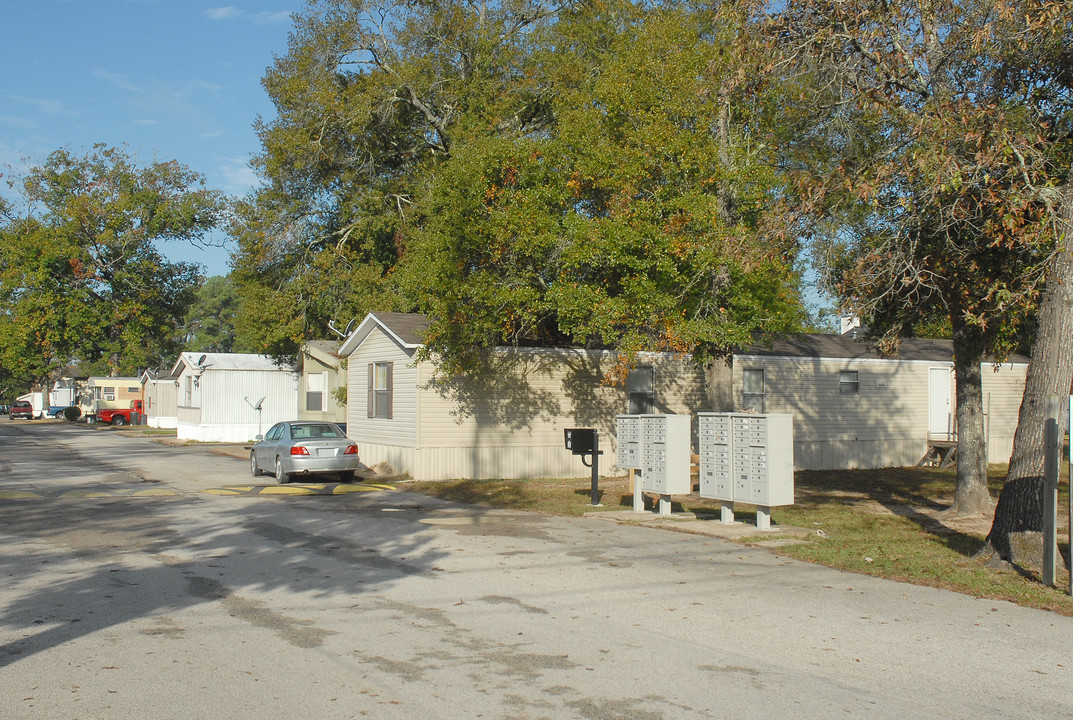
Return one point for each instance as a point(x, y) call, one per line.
point(224, 395)
point(219, 411)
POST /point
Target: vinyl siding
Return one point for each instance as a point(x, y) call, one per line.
point(220, 408)
point(885, 423)
point(1003, 388)
point(334, 377)
point(510, 424)
point(401, 429)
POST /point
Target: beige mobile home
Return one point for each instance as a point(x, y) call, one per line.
point(320, 373)
point(160, 393)
point(855, 409)
point(508, 424)
point(103, 393)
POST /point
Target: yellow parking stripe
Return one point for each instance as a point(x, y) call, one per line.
point(299, 489)
point(18, 494)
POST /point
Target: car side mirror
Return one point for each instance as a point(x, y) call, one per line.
point(258, 438)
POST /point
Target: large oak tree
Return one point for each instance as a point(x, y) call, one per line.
point(946, 162)
point(83, 277)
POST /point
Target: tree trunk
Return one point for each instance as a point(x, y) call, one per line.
point(1020, 504)
point(972, 496)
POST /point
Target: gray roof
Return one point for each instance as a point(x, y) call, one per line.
point(409, 327)
point(848, 347)
point(328, 347)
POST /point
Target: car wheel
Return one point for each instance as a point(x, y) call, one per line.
point(346, 476)
point(119, 421)
point(254, 470)
point(281, 476)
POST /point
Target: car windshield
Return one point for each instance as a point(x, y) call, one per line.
point(316, 431)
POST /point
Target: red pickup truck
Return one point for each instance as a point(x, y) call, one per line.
point(121, 416)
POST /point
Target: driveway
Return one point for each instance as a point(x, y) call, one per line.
point(392, 605)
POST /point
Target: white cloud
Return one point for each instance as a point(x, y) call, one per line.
point(45, 105)
point(231, 12)
point(223, 13)
point(18, 122)
point(120, 81)
point(199, 87)
point(240, 177)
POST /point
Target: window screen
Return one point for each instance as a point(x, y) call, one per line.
point(752, 390)
point(848, 382)
point(640, 383)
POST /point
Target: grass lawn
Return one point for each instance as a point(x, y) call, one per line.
point(887, 523)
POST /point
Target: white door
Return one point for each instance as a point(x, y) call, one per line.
point(940, 418)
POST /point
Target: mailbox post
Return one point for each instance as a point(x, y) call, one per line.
point(586, 441)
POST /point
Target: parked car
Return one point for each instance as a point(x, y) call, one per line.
point(22, 409)
point(290, 449)
point(4, 409)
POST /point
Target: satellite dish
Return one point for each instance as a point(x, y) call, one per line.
point(259, 403)
point(344, 333)
point(201, 360)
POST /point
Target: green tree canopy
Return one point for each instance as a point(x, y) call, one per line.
point(82, 275)
point(579, 173)
point(210, 321)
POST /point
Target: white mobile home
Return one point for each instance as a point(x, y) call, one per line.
point(231, 397)
point(507, 424)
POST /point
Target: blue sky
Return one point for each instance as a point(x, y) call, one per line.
point(170, 79)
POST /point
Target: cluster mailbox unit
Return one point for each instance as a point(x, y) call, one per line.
point(658, 446)
point(747, 458)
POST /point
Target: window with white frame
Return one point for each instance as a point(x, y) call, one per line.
point(315, 384)
point(848, 382)
point(752, 390)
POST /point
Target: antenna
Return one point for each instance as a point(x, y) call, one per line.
point(344, 333)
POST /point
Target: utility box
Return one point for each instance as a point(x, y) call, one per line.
point(628, 442)
point(665, 454)
point(746, 458)
point(580, 441)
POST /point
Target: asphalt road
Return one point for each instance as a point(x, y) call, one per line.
point(131, 592)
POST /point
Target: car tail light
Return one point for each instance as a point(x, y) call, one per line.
point(299, 450)
point(351, 450)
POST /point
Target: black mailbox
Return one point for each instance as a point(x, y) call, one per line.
point(580, 441)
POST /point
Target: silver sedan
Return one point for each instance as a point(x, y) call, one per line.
point(290, 449)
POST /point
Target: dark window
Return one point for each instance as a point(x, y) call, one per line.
point(380, 390)
point(752, 390)
point(639, 384)
point(848, 382)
